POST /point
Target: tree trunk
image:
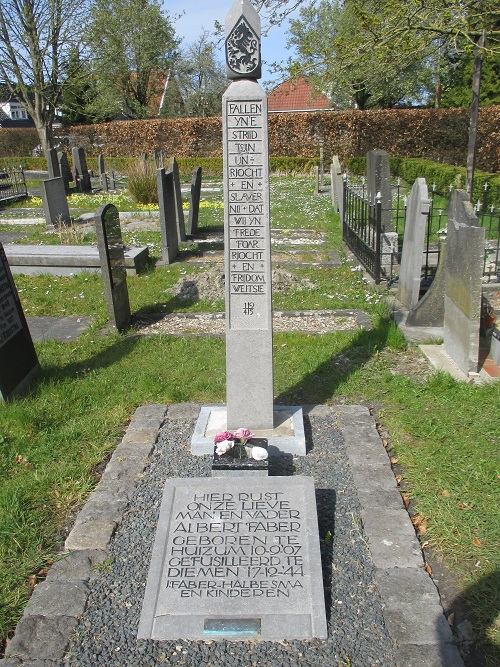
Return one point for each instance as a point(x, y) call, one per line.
point(45, 134)
point(474, 112)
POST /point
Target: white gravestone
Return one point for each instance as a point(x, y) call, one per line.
point(249, 356)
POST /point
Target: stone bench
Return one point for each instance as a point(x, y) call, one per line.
point(65, 260)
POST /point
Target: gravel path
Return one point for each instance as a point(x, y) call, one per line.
point(106, 634)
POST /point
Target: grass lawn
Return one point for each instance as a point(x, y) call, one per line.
point(443, 435)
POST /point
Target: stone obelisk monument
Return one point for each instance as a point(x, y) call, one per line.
point(247, 237)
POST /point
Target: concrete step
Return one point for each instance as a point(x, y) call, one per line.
point(65, 260)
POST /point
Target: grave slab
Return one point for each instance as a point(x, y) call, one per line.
point(65, 260)
point(287, 436)
point(235, 558)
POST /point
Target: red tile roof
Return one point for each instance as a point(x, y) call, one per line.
point(296, 95)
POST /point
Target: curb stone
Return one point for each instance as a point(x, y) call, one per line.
point(418, 628)
point(51, 616)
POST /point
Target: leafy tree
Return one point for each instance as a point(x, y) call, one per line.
point(202, 78)
point(324, 37)
point(36, 39)
point(457, 82)
point(78, 92)
point(472, 25)
point(132, 44)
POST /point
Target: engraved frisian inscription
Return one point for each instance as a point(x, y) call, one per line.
point(248, 238)
point(242, 551)
point(236, 544)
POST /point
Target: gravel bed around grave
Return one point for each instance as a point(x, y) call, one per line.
point(215, 324)
point(357, 637)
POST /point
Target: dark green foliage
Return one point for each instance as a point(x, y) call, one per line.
point(443, 175)
point(457, 86)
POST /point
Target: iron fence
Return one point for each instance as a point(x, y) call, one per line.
point(362, 226)
point(12, 184)
point(379, 249)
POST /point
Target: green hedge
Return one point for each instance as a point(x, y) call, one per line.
point(442, 175)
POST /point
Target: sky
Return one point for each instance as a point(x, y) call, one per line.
point(200, 14)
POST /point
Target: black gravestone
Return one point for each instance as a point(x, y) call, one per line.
point(179, 213)
point(100, 164)
point(80, 170)
point(114, 273)
point(194, 207)
point(65, 170)
point(104, 182)
point(168, 226)
point(18, 359)
point(52, 163)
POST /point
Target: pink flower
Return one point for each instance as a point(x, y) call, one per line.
point(220, 437)
point(243, 434)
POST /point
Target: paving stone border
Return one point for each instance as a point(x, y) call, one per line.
point(412, 611)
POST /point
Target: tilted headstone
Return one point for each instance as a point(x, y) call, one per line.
point(55, 204)
point(247, 235)
point(194, 207)
point(410, 273)
point(80, 169)
point(100, 164)
point(168, 224)
point(114, 272)
point(235, 558)
point(378, 170)
point(65, 170)
point(112, 185)
point(18, 359)
point(179, 213)
point(465, 243)
point(52, 163)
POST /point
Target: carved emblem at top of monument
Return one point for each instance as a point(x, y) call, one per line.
point(242, 49)
point(243, 42)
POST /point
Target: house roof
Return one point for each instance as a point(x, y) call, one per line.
point(296, 95)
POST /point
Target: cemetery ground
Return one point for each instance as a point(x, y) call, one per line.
point(442, 436)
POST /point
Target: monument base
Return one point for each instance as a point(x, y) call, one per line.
point(287, 436)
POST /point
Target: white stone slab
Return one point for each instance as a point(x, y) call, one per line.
point(235, 558)
point(287, 436)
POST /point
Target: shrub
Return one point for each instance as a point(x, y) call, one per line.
point(442, 175)
point(142, 183)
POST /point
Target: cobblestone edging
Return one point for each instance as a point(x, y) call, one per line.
point(412, 611)
point(51, 616)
